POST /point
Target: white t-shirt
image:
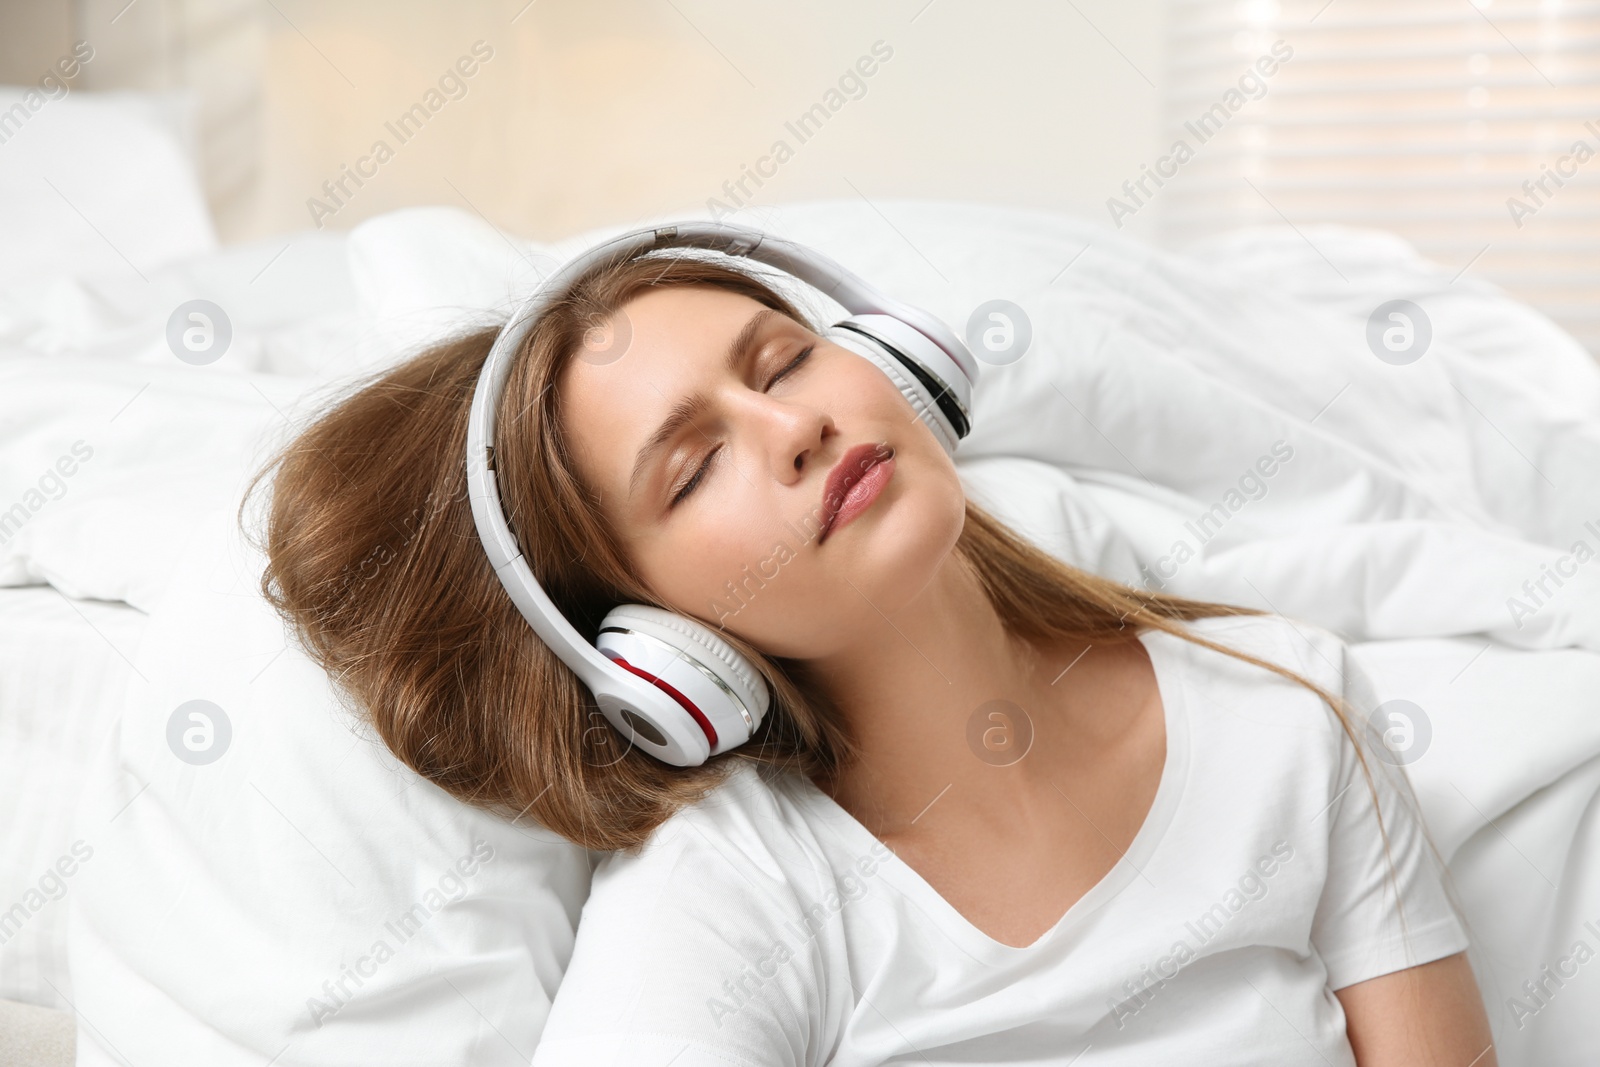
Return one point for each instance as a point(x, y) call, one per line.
point(765, 926)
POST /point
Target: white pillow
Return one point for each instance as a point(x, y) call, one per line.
point(97, 184)
point(424, 273)
point(105, 466)
point(303, 898)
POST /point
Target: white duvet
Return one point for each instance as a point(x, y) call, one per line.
point(1415, 509)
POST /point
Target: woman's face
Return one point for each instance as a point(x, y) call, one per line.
point(722, 517)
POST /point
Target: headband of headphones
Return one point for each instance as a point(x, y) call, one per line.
point(666, 682)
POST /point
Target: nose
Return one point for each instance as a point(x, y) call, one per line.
point(788, 434)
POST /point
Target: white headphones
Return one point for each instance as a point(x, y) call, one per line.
point(665, 681)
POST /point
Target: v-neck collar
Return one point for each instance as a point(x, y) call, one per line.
point(1170, 685)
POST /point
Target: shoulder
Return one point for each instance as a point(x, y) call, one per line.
point(744, 841)
point(1306, 648)
point(1303, 650)
point(696, 933)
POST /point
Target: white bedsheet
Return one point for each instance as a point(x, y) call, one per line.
point(1530, 885)
point(1417, 501)
point(302, 897)
point(64, 668)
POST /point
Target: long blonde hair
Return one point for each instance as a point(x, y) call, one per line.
point(374, 558)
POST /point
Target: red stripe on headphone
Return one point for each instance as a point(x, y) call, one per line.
point(688, 705)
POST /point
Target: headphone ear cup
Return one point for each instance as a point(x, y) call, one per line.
point(708, 678)
point(920, 398)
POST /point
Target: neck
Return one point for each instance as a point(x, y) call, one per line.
point(920, 691)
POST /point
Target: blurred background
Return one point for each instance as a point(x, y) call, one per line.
point(1466, 126)
point(204, 235)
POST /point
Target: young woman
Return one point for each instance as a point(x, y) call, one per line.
point(1001, 810)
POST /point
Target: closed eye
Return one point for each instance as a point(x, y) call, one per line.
point(800, 357)
point(705, 464)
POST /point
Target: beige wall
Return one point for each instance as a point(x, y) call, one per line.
point(590, 113)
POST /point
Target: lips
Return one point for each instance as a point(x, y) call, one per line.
point(850, 469)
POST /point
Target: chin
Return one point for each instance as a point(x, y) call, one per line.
point(905, 545)
point(887, 557)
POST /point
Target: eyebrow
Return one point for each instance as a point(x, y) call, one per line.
point(687, 409)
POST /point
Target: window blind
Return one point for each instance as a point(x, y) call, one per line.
point(1469, 127)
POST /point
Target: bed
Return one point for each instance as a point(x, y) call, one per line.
point(230, 911)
